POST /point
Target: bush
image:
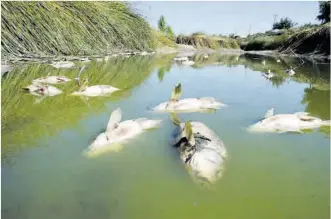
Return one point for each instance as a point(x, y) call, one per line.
point(284, 23)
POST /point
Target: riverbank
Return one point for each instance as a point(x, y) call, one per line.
point(50, 29)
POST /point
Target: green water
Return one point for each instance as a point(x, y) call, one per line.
point(45, 175)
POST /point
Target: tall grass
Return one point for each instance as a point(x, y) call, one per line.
point(313, 40)
point(71, 28)
point(199, 40)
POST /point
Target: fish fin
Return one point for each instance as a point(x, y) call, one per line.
point(175, 119)
point(269, 113)
point(189, 133)
point(114, 119)
point(177, 92)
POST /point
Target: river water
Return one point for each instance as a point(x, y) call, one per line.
point(46, 175)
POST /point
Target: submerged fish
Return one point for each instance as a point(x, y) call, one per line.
point(188, 104)
point(52, 80)
point(119, 132)
point(201, 150)
point(287, 123)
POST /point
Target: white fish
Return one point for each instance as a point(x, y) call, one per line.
point(96, 90)
point(287, 123)
point(201, 150)
point(118, 132)
point(181, 59)
point(52, 80)
point(144, 53)
point(188, 63)
point(205, 56)
point(38, 89)
point(84, 60)
point(290, 71)
point(64, 64)
point(278, 60)
point(188, 104)
point(268, 75)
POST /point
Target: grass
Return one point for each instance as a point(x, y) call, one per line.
point(264, 42)
point(312, 40)
point(201, 40)
point(71, 28)
point(305, 39)
point(161, 40)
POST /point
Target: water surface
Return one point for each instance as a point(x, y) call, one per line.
point(45, 175)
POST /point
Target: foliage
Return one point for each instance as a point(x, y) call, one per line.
point(284, 23)
point(324, 12)
point(71, 28)
point(169, 32)
point(165, 29)
point(161, 39)
point(200, 40)
point(313, 40)
point(162, 24)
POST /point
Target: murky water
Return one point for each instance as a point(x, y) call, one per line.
point(45, 175)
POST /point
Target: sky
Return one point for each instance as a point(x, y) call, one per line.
point(226, 17)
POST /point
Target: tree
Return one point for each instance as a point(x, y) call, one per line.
point(284, 23)
point(324, 13)
point(162, 24)
point(169, 31)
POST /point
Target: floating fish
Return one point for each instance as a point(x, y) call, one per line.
point(38, 89)
point(188, 104)
point(64, 64)
point(188, 63)
point(118, 132)
point(282, 123)
point(52, 80)
point(268, 75)
point(94, 91)
point(181, 59)
point(200, 149)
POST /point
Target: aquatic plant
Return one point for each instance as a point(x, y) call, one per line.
point(71, 28)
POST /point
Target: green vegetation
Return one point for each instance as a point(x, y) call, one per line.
point(284, 23)
point(201, 40)
point(324, 12)
point(165, 29)
point(162, 24)
point(162, 40)
point(314, 40)
point(309, 38)
point(71, 28)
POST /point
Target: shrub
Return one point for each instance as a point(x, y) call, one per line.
point(284, 23)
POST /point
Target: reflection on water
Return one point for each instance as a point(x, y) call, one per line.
point(45, 174)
